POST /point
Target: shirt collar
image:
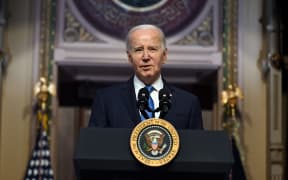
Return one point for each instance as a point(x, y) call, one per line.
point(138, 84)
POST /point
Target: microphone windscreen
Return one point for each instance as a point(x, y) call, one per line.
point(143, 94)
point(164, 101)
point(143, 97)
point(164, 94)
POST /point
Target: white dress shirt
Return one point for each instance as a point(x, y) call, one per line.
point(157, 85)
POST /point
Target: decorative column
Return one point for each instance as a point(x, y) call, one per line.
point(231, 93)
point(46, 50)
point(40, 164)
point(272, 65)
point(4, 51)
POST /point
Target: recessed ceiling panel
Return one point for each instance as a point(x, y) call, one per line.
point(115, 17)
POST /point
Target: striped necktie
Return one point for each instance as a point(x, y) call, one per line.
point(150, 103)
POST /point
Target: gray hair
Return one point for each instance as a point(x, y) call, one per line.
point(145, 26)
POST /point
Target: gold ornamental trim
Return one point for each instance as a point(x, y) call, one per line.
point(154, 142)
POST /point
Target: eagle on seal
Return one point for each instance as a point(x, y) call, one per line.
point(155, 143)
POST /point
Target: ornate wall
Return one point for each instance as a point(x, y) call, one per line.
point(94, 32)
point(78, 43)
point(90, 50)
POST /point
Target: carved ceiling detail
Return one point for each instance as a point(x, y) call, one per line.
point(201, 35)
point(74, 31)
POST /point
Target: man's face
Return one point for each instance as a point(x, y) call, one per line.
point(146, 54)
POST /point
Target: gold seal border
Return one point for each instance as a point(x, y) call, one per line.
point(135, 136)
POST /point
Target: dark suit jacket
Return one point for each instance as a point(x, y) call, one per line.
point(116, 107)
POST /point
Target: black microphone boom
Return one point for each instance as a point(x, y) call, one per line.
point(143, 97)
point(164, 102)
point(142, 103)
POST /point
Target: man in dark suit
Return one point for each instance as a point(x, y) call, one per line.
point(116, 106)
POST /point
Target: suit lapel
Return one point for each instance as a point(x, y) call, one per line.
point(129, 99)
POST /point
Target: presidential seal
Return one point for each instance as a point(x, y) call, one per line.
point(154, 142)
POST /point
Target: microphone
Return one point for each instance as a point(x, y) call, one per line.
point(142, 103)
point(164, 101)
